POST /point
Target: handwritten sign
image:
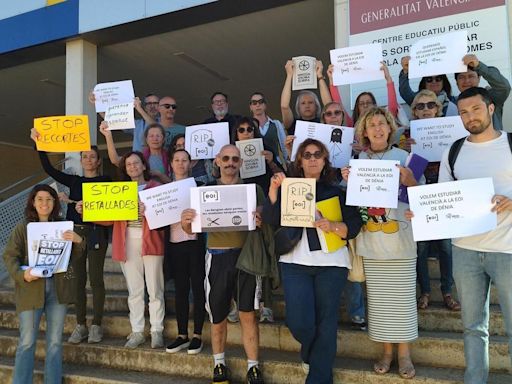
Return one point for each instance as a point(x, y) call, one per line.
point(224, 208)
point(298, 202)
point(357, 64)
point(434, 136)
point(304, 73)
point(338, 140)
point(63, 133)
point(110, 201)
point(373, 183)
point(452, 209)
point(253, 161)
point(204, 141)
point(165, 203)
point(116, 92)
point(120, 116)
point(438, 54)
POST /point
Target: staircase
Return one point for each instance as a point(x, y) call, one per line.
point(438, 354)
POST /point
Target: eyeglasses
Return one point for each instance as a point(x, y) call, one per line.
point(430, 79)
point(226, 158)
point(243, 129)
point(259, 101)
point(219, 102)
point(333, 113)
point(422, 106)
point(151, 103)
point(365, 103)
point(308, 155)
point(169, 106)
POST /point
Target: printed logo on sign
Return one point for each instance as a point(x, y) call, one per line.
point(250, 150)
point(236, 220)
point(210, 197)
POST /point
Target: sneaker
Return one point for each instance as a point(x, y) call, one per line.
point(134, 340)
point(157, 340)
point(359, 323)
point(95, 334)
point(220, 374)
point(79, 334)
point(233, 313)
point(254, 376)
point(196, 346)
point(266, 315)
point(305, 368)
point(179, 344)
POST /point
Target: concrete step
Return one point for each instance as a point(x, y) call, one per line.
point(435, 349)
point(111, 265)
point(278, 366)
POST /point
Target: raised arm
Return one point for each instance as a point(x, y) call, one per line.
point(92, 100)
point(111, 148)
point(403, 82)
point(137, 104)
point(286, 96)
point(322, 84)
point(392, 101)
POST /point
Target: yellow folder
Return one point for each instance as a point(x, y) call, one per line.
point(331, 210)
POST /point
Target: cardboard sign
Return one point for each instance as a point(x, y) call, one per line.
point(110, 201)
point(373, 183)
point(298, 202)
point(357, 64)
point(253, 161)
point(165, 203)
point(204, 141)
point(120, 116)
point(115, 92)
point(63, 133)
point(304, 73)
point(452, 209)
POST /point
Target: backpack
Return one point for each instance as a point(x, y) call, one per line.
point(455, 149)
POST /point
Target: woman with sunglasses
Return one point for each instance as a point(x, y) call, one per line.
point(201, 170)
point(140, 252)
point(439, 84)
point(154, 152)
point(35, 295)
point(389, 253)
point(313, 279)
point(426, 106)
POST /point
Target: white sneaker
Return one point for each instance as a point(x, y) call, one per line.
point(233, 316)
point(79, 334)
point(95, 334)
point(157, 340)
point(134, 340)
point(266, 315)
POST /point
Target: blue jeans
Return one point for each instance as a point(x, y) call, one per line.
point(355, 300)
point(29, 328)
point(312, 297)
point(473, 272)
point(445, 264)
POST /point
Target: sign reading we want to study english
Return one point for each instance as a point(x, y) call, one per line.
point(397, 24)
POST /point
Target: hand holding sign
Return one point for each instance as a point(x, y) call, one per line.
point(62, 133)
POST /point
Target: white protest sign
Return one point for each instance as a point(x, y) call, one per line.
point(253, 161)
point(165, 203)
point(357, 64)
point(337, 139)
point(453, 209)
point(48, 253)
point(298, 197)
point(304, 73)
point(433, 136)
point(204, 141)
point(116, 92)
point(120, 116)
point(439, 54)
point(373, 183)
point(224, 208)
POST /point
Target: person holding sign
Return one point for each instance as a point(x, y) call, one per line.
point(426, 106)
point(96, 238)
point(35, 295)
point(184, 258)
point(389, 252)
point(313, 279)
point(140, 252)
point(201, 170)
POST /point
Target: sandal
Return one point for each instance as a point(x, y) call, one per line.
point(383, 365)
point(405, 368)
point(451, 303)
point(423, 301)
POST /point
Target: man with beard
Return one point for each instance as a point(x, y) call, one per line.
point(220, 109)
point(224, 281)
point(167, 108)
point(480, 259)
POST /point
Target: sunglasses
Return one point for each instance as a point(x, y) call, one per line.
point(226, 158)
point(430, 79)
point(169, 106)
point(256, 102)
point(333, 113)
point(243, 129)
point(308, 155)
point(422, 106)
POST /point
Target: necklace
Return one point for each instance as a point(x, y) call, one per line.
point(378, 155)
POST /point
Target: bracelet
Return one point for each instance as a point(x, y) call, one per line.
point(321, 78)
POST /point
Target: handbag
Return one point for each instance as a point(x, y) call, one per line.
point(356, 274)
point(285, 239)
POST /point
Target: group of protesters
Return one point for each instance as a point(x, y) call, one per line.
point(313, 281)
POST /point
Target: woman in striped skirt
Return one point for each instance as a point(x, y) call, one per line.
point(389, 253)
